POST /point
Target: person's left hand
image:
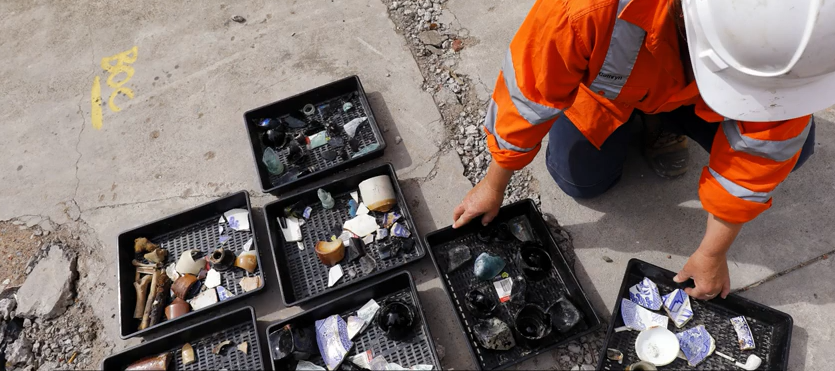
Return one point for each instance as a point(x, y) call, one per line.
point(710, 274)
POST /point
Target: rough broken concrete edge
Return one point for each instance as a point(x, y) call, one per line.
point(468, 100)
point(68, 253)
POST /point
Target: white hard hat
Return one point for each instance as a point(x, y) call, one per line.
point(763, 60)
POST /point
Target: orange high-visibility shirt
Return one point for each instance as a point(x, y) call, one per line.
point(595, 61)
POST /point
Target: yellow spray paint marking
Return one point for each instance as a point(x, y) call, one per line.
point(123, 90)
point(95, 100)
point(115, 65)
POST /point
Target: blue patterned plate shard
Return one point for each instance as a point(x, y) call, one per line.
point(677, 306)
point(696, 344)
point(638, 318)
point(645, 294)
point(743, 332)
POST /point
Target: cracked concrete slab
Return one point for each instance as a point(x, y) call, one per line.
point(812, 305)
point(180, 141)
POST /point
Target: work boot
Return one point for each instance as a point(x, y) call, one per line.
point(667, 153)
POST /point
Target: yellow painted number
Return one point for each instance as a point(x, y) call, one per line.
point(115, 65)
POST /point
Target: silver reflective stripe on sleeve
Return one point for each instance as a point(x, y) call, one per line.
point(624, 46)
point(531, 111)
point(740, 191)
point(490, 124)
point(777, 150)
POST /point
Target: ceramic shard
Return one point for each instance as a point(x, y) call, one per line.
point(696, 344)
point(639, 318)
point(677, 306)
point(645, 294)
point(743, 333)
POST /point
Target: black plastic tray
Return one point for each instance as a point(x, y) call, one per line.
point(237, 327)
point(191, 229)
point(544, 293)
point(419, 349)
point(771, 328)
point(301, 276)
point(334, 93)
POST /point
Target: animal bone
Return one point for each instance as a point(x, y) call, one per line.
point(137, 263)
point(145, 270)
point(159, 300)
point(157, 256)
point(141, 296)
point(148, 303)
point(142, 245)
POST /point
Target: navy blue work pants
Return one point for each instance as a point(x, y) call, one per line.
point(583, 171)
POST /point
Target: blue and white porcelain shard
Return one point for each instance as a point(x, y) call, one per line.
point(677, 306)
point(696, 344)
point(638, 318)
point(645, 294)
point(237, 219)
point(743, 332)
point(333, 340)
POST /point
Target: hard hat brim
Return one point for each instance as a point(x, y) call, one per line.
point(740, 96)
point(740, 99)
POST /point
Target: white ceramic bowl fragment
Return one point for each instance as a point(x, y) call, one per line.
point(657, 345)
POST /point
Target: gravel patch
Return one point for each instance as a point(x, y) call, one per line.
point(435, 39)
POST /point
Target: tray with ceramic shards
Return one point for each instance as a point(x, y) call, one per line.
point(378, 326)
point(191, 262)
point(513, 292)
point(361, 230)
point(228, 341)
point(711, 335)
point(312, 135)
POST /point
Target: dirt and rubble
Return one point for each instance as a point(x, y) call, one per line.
point(435, 41)
point(44, 324)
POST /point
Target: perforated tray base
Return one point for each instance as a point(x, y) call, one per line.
point(364, 134)
point(204, 236)
point(308, 275)
point(335, 94)
point(771, 329)
point(229, 358)
point(407, 353)
point(543, 293)
point(237, 327)
point(418, 349)
point(191, 229)
point(301, 274)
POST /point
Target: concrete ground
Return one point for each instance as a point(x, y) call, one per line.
point(179, 142)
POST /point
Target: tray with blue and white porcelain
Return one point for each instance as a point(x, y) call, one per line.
point(648, 297)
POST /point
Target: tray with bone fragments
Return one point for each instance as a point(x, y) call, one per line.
point(311, 135)
point(513, 292)
point(190, 262)
point(228, 341)
point(353, 228)
point(654, 322)
point(380, 326)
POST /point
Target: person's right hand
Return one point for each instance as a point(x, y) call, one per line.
point(481, 200)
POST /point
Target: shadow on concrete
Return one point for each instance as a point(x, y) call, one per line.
point(651, 218)
point(799, 348)
point(651, 214)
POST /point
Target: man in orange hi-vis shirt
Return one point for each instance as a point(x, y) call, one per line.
point(741, 78)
